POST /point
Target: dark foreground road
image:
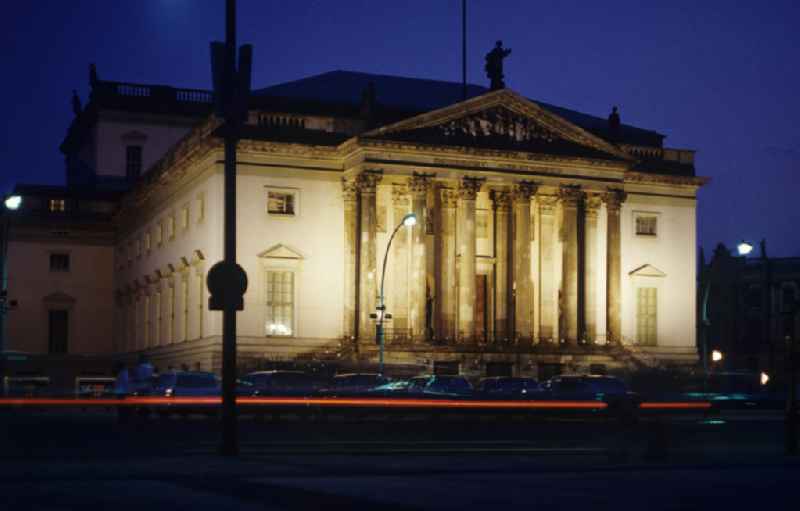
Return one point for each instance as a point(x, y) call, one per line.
point(71, 461)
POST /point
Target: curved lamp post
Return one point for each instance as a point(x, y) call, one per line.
point(409, 220)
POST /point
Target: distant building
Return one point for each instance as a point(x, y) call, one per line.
point(548, 239)
point(748, 308)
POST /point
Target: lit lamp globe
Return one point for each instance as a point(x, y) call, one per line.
point(13, 202)
point(716, 355)
point(744, 248)
point(410, 219)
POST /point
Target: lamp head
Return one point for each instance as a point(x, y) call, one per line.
point(13, 202)
point(716, 355)
point(410, 219)
point(744, 248)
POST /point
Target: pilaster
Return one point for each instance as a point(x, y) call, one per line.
point(465, 247)
point(367, 183)
point(418, 285)
point(350, 201)
point(570, 200)
point(446, 283)
point(400, 258)
point(613, 200)
point(503, 328)
point(521, 197)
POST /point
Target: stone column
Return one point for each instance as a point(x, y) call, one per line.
point(350, 198)
point(570, 198)
point(548, 290)
point(418, 186)
point(502, 206)
point(465, 252)
point(590, 269)
point(399, 256)
point(614, 200)
point(521, 196)
point(446, 283)
point(368, 287)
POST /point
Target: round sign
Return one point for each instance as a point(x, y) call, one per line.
point(226, 279)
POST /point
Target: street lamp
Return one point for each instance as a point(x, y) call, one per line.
point(716, 356)
point(744, 248)
point(13, 202)
point(409, 220)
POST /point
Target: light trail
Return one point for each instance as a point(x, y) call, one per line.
point(334, 402)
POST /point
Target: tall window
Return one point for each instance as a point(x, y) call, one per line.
point(171, 313)
point(59, 262)
point(57, 205)
point(646, 315)
point(280, 303)
point(146, 321)
point(281, 202)
point(646, 225)
point(185, 313)
point(133, 162)
point(201, 303)
point(157, 333)
point(58, 329)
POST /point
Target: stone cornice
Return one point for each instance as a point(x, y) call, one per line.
point(644, 177)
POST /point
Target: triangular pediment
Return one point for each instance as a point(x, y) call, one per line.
point(281, 251)
point(59, 297)
point(500, 120)
point(647, 270)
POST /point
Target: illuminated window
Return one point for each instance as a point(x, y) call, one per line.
point(133, 162)
point(201, 208)
point(59, 262)
point(646, 225)
point(170, 227)
point(646, 315)
point(184, 223)
point(58, 205)
point(282, 202)
point(280, 303)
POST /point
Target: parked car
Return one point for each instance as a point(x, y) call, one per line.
point(596, 387)
point(186, 384)
point(506, 387)
point(396, 388)
point(279, 383)
point(445, 386)
point(353, 384)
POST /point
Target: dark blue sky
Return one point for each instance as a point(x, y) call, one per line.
point(714, 76)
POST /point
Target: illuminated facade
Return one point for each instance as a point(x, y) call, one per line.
point(547, 240)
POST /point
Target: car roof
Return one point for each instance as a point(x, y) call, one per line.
point(275, 371)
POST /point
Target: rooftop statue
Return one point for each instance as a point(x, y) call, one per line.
point(494, 65)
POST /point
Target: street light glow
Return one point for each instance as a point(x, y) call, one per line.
point(764, 378)
point(13, 202)
point(744, 248)
point(716, 355)
point(410, 219)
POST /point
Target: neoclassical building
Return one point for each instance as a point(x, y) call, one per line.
point(547, 240)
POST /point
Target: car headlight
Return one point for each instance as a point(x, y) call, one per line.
point(168, 392)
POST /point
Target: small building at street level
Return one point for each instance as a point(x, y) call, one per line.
point(547, 240)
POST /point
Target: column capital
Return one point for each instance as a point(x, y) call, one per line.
point(570, 196)
point(592, 205)
point(349, 189)
point(614, 198)
point(502, 200)
point(368, 181)
point(449, 198)
point(469, 187)
point(523, 191)
point(399, 195)
point(419, 183)
point(547, 203)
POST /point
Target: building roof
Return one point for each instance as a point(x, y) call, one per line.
point(418, 95)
